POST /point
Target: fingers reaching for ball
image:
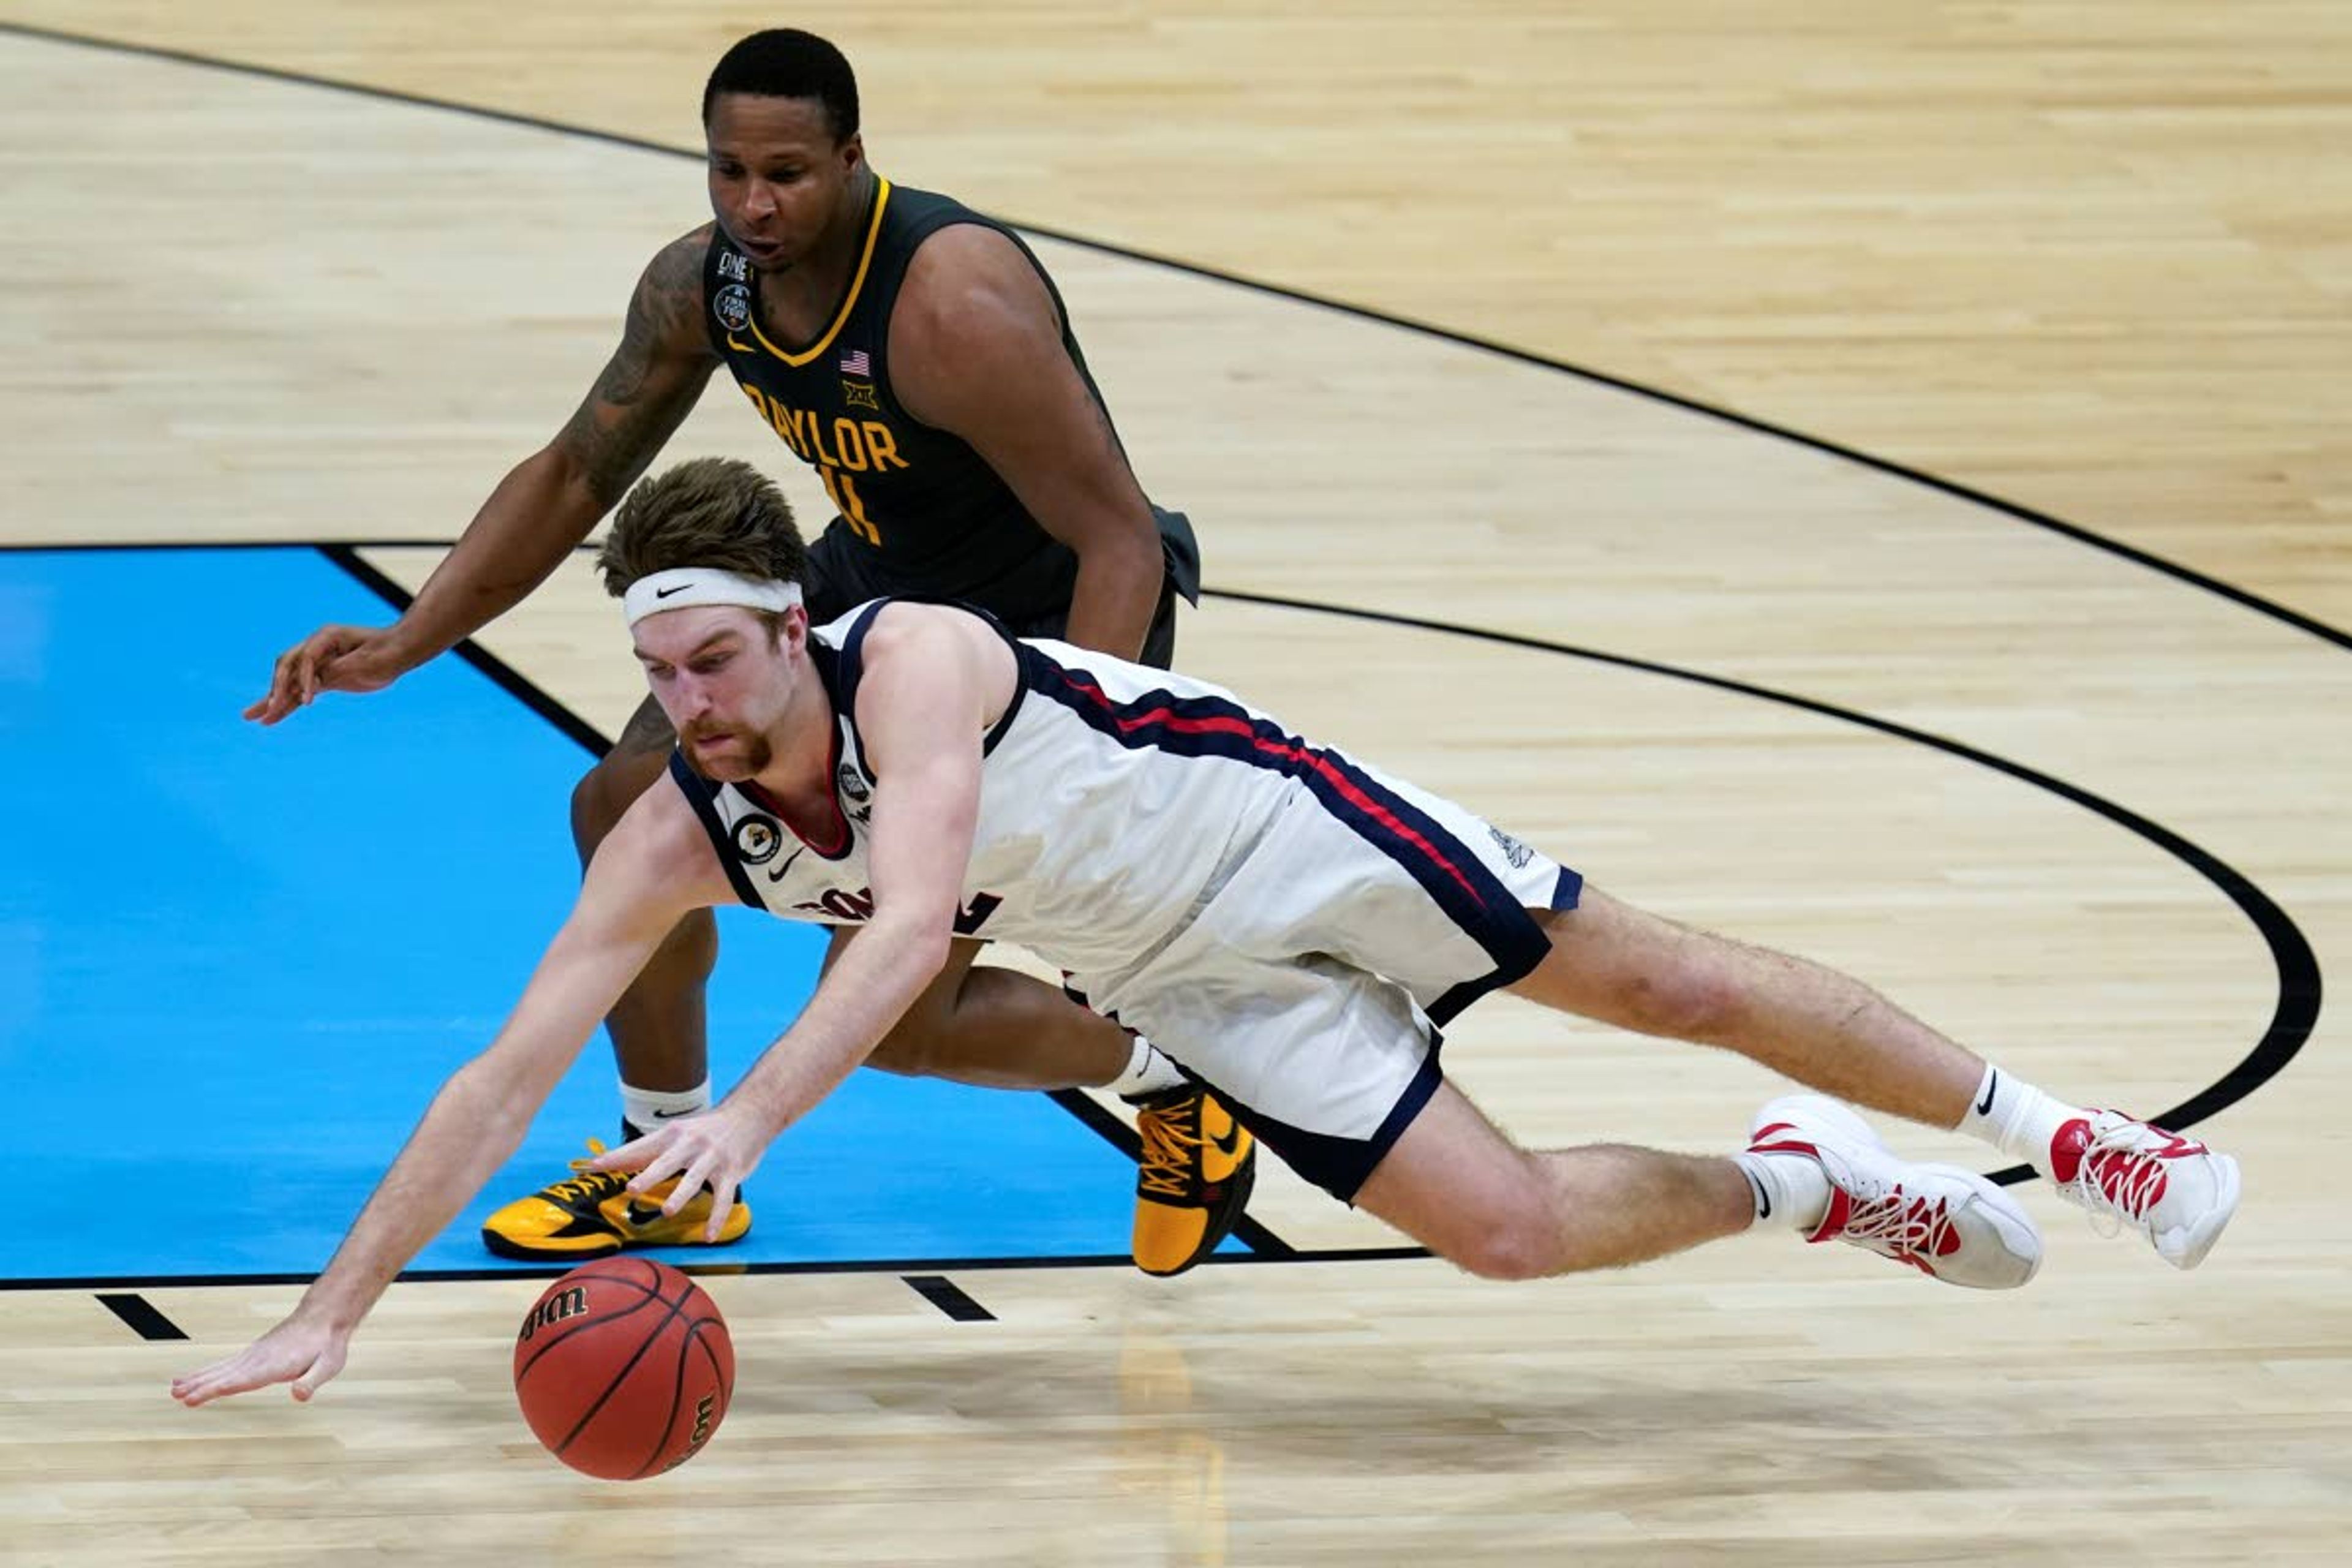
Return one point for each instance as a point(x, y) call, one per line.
point(712, 1150)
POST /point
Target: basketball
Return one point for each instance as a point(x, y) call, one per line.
point(624, 1368)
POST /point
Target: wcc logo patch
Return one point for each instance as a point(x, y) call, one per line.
point(732, 306)
point(1517, 853)
point(757, 839)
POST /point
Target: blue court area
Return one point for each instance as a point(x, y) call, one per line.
point(236, 963)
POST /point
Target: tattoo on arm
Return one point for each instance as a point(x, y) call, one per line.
point(1110, 432)
point(652, 380)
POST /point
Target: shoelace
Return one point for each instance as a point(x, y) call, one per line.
point(1169, 1139)
point(2120, 1179)
point(1912, 1228)
point(587, 1186)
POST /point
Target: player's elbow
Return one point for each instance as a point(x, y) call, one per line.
point(917, 941)
point(927, 955)
point(557, 482)
point(490, 1102)
point(1129, 548)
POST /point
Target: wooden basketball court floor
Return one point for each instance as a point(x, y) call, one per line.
point(2020, 689)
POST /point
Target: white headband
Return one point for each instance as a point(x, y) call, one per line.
point(683, 585)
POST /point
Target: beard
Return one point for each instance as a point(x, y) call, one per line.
point(729, 755)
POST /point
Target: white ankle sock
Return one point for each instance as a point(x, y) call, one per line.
point(1789, 1188)
point(1148, 1072)
point(2016, 1117)
point(644, 1109)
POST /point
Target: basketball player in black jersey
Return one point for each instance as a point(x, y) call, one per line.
point(917, 356)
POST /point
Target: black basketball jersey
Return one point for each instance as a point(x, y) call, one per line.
point(924, 514)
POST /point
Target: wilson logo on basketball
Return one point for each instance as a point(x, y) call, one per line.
point(554, 1309)
point(702, 1409)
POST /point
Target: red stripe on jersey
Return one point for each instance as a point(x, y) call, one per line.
point(1348, 789)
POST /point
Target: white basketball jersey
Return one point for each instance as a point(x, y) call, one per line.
point(1112, 797)
point(1118, 802)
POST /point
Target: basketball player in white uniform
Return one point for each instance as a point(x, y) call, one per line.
point(1288, 924)
point(1176, 854)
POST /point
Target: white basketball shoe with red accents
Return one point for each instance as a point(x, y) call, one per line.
point(1947, 1223)
point(2172, 1190)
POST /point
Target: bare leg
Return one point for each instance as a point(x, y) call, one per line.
point(1612, 961)
point(1832, 1032)
point(1000, 1029)
point(1457, 1185)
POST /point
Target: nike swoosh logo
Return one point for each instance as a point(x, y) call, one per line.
point(1763, 1201)
point(778, 874)
point(670, 1115)
point(1991, 1083)
point(642, 1214)
point(666, 592)
point(1231, 1142)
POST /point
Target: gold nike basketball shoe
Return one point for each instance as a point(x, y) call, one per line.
point(591, 1212)
point(1192, 1179)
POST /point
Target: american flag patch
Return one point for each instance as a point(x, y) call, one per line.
point(856, 362)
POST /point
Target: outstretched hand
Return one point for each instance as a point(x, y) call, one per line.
point(304, 1353)
point(718, 1147)
point(332, 658)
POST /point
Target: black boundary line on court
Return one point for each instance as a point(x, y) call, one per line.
point(501, 674)
point(2297, 1008)
point(902, 1266)
point(1089, 1111)
point(950, 1297)
point(2014, 510)
point(2293, 1016)
point(141, 1314)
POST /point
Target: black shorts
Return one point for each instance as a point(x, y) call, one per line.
point(1036, 604)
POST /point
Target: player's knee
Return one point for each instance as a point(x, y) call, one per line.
point(1507, 1225)
point(690, 951)
point(604, 792)
point(1691, 1001)
point(1513, 1244)
point(593, 811)
point(904, 1056)
point(921, 1043)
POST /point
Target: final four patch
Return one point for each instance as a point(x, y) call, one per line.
point(732, 306)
